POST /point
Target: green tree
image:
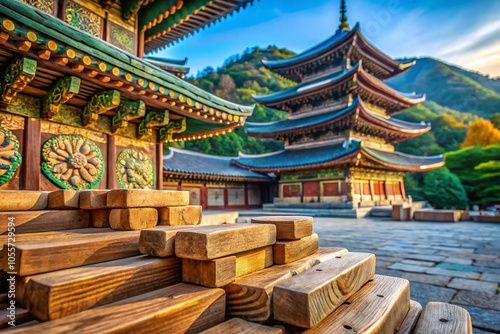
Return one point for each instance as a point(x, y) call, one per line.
point(495, 119)
point(444, 190)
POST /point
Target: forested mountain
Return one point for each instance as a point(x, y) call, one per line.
point(455, 97)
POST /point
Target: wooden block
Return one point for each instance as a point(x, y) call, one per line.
point(139, 198)
point(63, 234)
point(240, 326)
point(180, 308)
point(249, 297)
point(40, 256)
point(410, 321)
point(290, 251)
point(64, 199)
point(288, 227)
point(211, 242)
point(19, 315)
point(100, 218)
point(23, 200)
point(378, 307)
point(443, 318)
point(253, 260)
point(133, 219)
point(93, 199)
point(180, 215)
point(210, 273)
point(21, 282)
point(306, 299)
point(160, 241)
point(219, 218)
point(59, 294)
point(46, 220)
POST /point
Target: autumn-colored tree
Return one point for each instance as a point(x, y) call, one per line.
point(495, 119)
point(481, 133)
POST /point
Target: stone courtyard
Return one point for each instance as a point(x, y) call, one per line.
point(457, 263)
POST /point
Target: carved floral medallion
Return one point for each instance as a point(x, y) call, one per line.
point(134, 170)
point(10, 158)
point(72, 162)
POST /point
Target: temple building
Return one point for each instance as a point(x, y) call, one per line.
point(81, 107)
point(340, 134)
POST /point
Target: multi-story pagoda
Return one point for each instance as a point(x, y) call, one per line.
point(340, 134)
point(81, 107)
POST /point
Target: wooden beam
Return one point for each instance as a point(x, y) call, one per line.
point(182, 308)
point(211, 242)
point(35, 257)
point(290, 251)
point(47, 220)
point(249, 297)
point(171, 128)
point(160, 241)
point(411, 319)
point(17, 76)
point(379, 306)
point(127, 111)
point(65, 292)
point(139, 198)
point(240, 326)
point(100, 103)
point(306, 299)
point(32, 141)
point(59, 93)
point(444, 318)
point(288, 227)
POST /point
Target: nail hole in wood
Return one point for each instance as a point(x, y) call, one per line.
point(347, 327)
point(443, 320)
point(381, 296)
point(347, 303)
point(319, 269)
point(338, 257)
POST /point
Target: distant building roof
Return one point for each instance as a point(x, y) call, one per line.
point(293, 66)
point(206, 166)
point(330, 155)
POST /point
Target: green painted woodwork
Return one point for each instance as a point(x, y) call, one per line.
point(131, 7)
point(46, 5)
point(171, 128)
point(17, 75)
point(10, 158)
point(60, 93)
point(150, 12)
point(72, 162)
point(134, 170)
point(127, 111)
point(51, 28)
point(122, 37)
point(152, 119)
point(24, 105)
point(99, 104)
point(83, 19)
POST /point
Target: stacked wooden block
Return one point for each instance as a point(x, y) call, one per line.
point(269, 276)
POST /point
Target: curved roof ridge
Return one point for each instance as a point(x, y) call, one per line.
point(199, 154)
point(245, 155)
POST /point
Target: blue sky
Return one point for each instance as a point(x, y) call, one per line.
point(462, 32)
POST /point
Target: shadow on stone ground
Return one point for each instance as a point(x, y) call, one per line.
point(456, 263)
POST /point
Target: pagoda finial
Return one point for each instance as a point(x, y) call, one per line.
point(343, 17)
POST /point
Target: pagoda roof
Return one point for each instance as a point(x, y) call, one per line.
point(356, 78)
point(102, 66)
point(290, 67)
point(170, 65)
point(168, 21)
point(302, 124)
point(352, 152)
point(206, 166)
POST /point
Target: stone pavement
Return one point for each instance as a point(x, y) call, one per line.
point(456, 263)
